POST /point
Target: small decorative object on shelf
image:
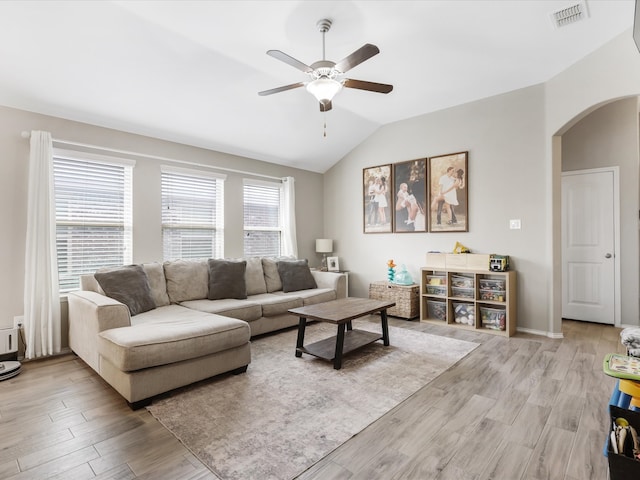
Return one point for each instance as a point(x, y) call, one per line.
point(333, 264)
point(403, 277)
point(498, 263)
point(460, 248)
point(391, 271)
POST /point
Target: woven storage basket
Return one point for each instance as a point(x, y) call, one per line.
point(405, 296)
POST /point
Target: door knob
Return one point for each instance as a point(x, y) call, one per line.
point(608, 255)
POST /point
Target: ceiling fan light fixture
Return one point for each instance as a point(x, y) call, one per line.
point(324, 89)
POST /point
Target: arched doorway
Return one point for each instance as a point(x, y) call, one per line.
point(603, 136)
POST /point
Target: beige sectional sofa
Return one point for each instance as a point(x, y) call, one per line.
point(150, 328)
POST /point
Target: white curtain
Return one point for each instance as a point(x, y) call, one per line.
point(41, 297)
point(289, 242)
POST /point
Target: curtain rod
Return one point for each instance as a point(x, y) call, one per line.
point(26, 134)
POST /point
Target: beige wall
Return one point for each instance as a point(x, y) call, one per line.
point(147, 239)
point(505, 139)
point(608, 137)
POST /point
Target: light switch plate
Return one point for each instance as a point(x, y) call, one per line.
point(515, 224)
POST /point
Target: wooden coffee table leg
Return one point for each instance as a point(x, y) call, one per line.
point(385, 327)
point(337, 360)
point(301, 328)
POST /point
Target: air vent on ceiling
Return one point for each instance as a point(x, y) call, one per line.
point(570, 14)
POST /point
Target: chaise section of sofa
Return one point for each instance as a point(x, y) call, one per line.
point(185, 329)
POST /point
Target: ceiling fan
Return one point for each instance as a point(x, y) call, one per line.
point(326, 77)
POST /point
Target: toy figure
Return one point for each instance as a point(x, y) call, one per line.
point(391, 272)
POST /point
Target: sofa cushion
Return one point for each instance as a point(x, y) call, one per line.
point(276, 303)
point(271, 275)
point(312, 296)
point(128, 285)
point(226, 279)
point(295, 275)
point(241, 309)
point(254, 277)
point(183, 335)
point(157, 283)
point(186, 280)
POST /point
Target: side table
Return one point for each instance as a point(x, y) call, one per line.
point(406, 297)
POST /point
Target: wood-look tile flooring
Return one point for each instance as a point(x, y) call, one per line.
point(526, 408)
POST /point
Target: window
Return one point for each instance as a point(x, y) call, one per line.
point(93, 214)
point(262, 218)
point(192, 214)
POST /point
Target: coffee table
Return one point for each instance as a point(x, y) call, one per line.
point(341, 312)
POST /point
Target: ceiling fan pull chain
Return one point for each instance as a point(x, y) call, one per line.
point(325, 125)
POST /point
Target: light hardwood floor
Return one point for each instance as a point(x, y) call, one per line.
point(521, 408)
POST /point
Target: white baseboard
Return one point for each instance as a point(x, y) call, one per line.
point(542, 333)
point(624, 325)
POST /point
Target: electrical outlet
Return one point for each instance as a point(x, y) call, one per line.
point(18, 321)
point(515, 224)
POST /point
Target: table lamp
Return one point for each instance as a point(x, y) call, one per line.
point(324, 246)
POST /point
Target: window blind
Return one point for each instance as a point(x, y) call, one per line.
point(93, 217)
point(262, 218)
point(192, 214)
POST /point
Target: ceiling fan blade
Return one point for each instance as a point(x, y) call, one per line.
point(290, 60)
point(281, 89)
point(325, 107)
point(370, 86)
point(356, 58)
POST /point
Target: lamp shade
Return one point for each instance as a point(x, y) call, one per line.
point(324, 89)
point(324, 245)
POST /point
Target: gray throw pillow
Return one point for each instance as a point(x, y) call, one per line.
point(128, 285)
point(295, 275)
point(226, 279)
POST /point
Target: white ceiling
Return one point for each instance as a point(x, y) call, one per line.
point(190, 71)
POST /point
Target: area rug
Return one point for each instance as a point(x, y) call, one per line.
point(286, 413)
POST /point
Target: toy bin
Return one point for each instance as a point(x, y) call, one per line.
point(493, 318)
point(436, 280)
point(622, 465)
point(463, 292)
point(492, 284)
point(460, 281)
point(493, 295)
point(437, 290)
point(464, 313)
point(437, 310)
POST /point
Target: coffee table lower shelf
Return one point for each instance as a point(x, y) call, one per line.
point(353, 339)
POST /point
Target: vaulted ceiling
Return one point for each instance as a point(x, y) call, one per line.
point(190, 71)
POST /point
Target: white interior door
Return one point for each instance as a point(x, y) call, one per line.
point(588, 246)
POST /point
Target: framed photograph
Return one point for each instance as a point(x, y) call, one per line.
point(332, 264)
point(376, 188)
point(449, 188)
point(410, 199)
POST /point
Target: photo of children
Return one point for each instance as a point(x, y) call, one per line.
point(410, 212)
point(448, 179)
point(376, 190)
